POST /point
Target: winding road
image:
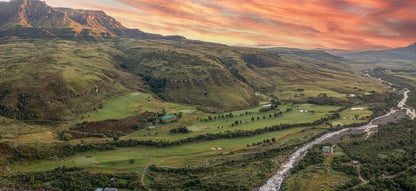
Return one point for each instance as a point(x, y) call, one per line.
point(274, 183)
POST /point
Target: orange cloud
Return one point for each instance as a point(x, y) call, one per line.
point(345, 24)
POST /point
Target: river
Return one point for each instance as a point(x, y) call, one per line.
point(274, 183)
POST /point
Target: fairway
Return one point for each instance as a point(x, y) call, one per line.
point(359, 115)
point(133, 104)
point(162, 132)
point(118, 159)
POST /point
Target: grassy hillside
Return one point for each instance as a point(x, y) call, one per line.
point(55, 80)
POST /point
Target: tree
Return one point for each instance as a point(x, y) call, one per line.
point(66, 136)
point(131, 161)
point(252, 118)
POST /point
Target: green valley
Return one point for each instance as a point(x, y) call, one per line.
point(86, 103)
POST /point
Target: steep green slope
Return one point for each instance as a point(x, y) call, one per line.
point(54, 80)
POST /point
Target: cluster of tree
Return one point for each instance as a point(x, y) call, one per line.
point(73, 178)
point(274, 104)
point(338, 164)
point(219, 116)
point(13, 153)
point(265, 142)
point(112, 127)
point(181, 129)
point(324, 99)
point(313, 157)
point(156, 84)
point(397, 144)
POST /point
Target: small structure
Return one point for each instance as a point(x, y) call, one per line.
point(352, 95)
point(354, 162)
point(167, 118)
point(110, 189)
point(267, 105)
point(99, 189)
point(303, 110)
point(326, 149)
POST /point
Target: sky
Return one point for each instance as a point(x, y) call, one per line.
point(309, 24)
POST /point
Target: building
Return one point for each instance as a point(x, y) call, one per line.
point(354, 162)
point(106, 189)
point(167, 118)
point(326, 149)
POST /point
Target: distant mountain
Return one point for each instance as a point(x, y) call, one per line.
point(318, 58)
point(35, 19)
point(338, 52)
point(404, 53)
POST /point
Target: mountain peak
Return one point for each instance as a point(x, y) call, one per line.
point(35, 19)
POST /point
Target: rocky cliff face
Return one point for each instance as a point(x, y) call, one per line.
point(35, 19)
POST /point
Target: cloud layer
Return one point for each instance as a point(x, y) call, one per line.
point(344, 24)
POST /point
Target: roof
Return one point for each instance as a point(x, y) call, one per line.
point(167, 117)
point(110, 189)
point(99, 189)
point(326, 148)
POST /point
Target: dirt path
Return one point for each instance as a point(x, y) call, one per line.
point(402, 172)
point(332, 148)
point(363, 181)
point(145, 168)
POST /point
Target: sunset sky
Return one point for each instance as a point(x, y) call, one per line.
point(343, 24)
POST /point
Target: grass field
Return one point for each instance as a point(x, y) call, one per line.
point(11, 129)
point(133, 104)
point(178, 156)
point(349, 116)
point(162, 132)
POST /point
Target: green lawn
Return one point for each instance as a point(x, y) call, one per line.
point(350, 116)
point(177, 156)
point(134, 104)
point(162, 132)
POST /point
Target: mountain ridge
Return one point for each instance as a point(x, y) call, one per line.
point(29, 18)
point(400, 53)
